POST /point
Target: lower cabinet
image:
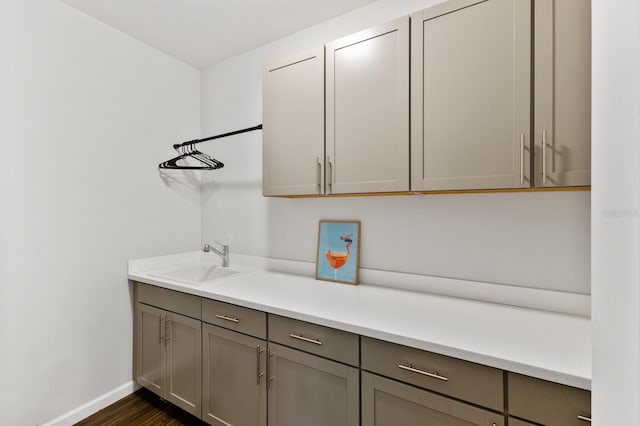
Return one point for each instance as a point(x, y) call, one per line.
point(546, 403)
point(234, 378)
point(231, 365)
point(169, 356)
point(308, 390)
point(387, 402)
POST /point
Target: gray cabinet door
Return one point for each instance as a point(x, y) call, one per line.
point(293, 125)
point(234, 374)
point(367, 120)
point(308, 390)
point(471, 95)
point(562, 113)
point(150, 348)
point(184, 362)
point(386, 402)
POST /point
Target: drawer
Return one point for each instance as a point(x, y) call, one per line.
point(324, 341)
point(464, 380)
point(174, 301)
point(548, 403)
point(234, 317)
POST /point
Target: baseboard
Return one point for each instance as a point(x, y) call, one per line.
point(74, 416)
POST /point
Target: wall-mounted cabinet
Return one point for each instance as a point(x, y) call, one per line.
point(562, 111)
point(367, 121)
point(293, 125)
point(367, 116)
point(499, 92)
point(471, 68)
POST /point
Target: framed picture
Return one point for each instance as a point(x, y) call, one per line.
point(338, 255)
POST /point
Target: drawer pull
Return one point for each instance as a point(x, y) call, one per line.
point(584, 418)
point(424, 373)
point(226, 318)
point(306, 339)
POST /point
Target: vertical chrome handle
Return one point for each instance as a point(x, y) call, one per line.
point(584, 418)
point(521, 158)
point(167, 322)
point(259, 374)
point(544, 156)
point(269, 368)
point(329, 175)
point(319, 175)
point(162, 328)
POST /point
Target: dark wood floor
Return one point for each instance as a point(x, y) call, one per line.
point(141, 408)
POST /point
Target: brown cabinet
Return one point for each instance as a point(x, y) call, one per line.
point(234, 378)
point(387, 402)
point(169, 356)
point(464, 380)
point(308, 390)
point(547, 403)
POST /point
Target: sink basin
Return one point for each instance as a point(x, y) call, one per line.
point(196, 275)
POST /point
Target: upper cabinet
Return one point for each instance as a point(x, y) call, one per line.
point(293, 125)
point(562, 112)
point(471, 68)
point(367, 110)
point(465, 95)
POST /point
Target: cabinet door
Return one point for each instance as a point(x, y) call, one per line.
point(368, 110)
point(388, 403)
point(471, 95)
point(150, 348)
point(234, 388)
point(562, 114)
point(184, 362)
point(293, 125)
point(517, 422)
point(308, 390)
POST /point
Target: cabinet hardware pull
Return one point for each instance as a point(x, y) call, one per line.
point(330, 175)
point(521, 158)
point(544, 156)
point(433, 375)
point(584, 418)
point(306, 339)
point(269, 368)
point(259, 374)
point(162, 328)
point(167, 321)
point(226, 318)
point(319, 175)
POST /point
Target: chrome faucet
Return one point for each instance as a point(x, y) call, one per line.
point(223, 253)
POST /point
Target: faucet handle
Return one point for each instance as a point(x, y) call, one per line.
point(224, 246)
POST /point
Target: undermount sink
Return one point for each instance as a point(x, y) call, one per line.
point(196, 274)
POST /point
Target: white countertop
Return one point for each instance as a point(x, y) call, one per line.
point(547, 345)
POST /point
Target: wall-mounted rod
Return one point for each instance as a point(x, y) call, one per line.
point(223, 135)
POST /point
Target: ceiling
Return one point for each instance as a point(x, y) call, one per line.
point(203, 32)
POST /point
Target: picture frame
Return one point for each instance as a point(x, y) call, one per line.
point(338, 253)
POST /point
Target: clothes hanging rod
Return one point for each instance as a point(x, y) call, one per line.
point(222, 135)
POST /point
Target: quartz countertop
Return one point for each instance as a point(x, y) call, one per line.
point(548, 345)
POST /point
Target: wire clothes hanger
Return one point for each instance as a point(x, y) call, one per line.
point(188, 150)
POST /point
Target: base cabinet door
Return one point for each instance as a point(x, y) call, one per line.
point(169, 356)
point(150, 348)
point(308, 390)
point(518, 422)
point(184, 362)
point(386, 402)
point(234, 372)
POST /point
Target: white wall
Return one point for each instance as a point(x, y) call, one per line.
point(524, 239)
point(86, 114)
point(616, 212)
